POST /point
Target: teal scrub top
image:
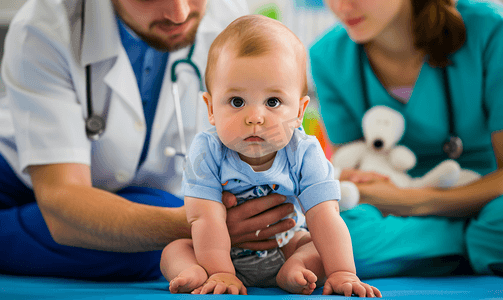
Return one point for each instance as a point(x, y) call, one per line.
point(475, 82)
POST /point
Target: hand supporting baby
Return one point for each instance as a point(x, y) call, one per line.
point(222, 283)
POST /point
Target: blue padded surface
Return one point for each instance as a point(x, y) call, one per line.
point(460, 287)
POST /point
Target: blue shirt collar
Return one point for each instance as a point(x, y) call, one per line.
point(134, 45)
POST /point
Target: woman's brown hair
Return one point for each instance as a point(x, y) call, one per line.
point(438, 28)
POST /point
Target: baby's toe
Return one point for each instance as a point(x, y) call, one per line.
point(300, 279)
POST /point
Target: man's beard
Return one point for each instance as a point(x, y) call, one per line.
point(163, 45)
point(156, 41)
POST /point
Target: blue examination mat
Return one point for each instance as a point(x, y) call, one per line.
point(455, 287)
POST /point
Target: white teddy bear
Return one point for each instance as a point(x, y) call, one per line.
point(383, 128)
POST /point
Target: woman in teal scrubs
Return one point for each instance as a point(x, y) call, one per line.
point(394, 53)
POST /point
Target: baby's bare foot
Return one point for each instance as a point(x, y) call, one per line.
point(188, 280)
point(295, 278)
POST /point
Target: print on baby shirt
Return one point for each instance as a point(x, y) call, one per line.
point(259, 191)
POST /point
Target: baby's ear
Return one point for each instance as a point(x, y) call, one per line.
point(304, 101)
point(209, 105)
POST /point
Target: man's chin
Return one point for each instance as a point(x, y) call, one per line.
point(172, 43)
point(171, 46)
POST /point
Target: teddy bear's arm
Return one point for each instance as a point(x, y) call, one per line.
point(349, 155)
point(402, 158)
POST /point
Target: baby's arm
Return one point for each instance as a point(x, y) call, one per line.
point(332, 240)
point(212, 246)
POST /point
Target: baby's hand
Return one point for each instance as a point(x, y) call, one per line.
point(346, 283)
point(222, 283)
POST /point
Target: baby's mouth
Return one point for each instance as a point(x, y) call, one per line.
point(254, 138)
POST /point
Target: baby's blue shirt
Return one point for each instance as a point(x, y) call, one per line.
point(300, 171)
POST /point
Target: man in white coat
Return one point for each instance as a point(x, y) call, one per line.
point(84, 205)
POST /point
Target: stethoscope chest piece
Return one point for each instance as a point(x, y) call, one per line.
point(95, 125)
point(179, 163)
point(453, 147)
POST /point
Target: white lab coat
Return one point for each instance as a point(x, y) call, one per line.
point(42, 117)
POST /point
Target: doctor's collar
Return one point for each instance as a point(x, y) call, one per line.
point(127, 33)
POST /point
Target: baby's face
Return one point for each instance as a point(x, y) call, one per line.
point(256, 101)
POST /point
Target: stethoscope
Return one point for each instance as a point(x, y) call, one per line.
point(453, 147)
point(95, 124)
point(170, 151)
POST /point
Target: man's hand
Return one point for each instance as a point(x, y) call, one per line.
point(347, 284)
point(222, 283)
point(249, 222)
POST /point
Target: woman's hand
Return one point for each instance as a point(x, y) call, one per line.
point(249, 222)
point(390, 199)
point(358, 176)
point(376, 189)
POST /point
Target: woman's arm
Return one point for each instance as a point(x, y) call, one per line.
point(497, 140)
point(463, 201)
point(212, 243)
point(82, 216)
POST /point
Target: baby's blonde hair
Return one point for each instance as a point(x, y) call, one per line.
point(255, 35)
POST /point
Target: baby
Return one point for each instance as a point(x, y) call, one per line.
point(257, 95)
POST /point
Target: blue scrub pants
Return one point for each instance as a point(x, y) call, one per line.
point(27, 247)
point(426, 246)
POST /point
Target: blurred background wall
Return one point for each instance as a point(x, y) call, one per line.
point(7, 10)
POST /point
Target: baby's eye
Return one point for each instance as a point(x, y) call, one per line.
point(237, 102)
point(273, 102)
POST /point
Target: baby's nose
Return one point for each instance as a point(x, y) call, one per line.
point(255, 117)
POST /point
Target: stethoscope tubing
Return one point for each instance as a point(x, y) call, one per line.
point(179, 119)
point(453, 147)
point(95, 125)
point(176, 98)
